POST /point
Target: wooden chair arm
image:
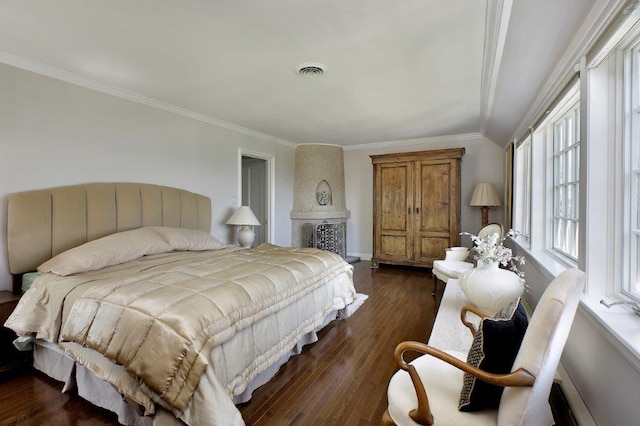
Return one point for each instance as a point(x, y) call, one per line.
point(422, 414)
point(473, 310)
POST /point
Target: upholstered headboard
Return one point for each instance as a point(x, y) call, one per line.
point(43, 223)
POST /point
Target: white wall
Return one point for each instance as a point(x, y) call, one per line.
point(607, 381)
point(54, 133)
point(483, 161)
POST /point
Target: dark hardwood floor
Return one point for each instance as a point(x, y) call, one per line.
point(339, 380)
point(342, 379)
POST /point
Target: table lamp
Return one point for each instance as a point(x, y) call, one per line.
point(246, 220)
point(485, 196)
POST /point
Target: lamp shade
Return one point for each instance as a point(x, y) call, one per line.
point(485, 195)
point(243, 216)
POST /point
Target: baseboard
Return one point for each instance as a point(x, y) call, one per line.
point(362, 256)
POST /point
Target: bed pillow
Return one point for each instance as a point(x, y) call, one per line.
point(110, 250)
point(27, 280)
point(188, 239)
point(494, 348)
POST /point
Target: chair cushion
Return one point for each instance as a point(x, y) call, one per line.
point(493, 350)
point(442, 383)
point(456, 253)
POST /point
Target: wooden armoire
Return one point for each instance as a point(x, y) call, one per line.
point(416, 206)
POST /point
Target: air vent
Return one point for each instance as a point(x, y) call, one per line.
point(311, 69)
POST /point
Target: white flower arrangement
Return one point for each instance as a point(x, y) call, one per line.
point(491, 249)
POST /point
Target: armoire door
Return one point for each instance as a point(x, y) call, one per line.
point(438, 208)
point(393, 218)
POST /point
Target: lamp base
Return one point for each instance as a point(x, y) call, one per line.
point(246, 235)
point(484, 211)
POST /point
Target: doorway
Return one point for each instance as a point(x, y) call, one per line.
point(255, 194)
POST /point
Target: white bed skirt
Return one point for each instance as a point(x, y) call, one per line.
point(55, 363)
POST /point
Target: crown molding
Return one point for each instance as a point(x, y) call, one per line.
point(324, 144)
point(497, 23)
point(78, 80)
point(416, 141)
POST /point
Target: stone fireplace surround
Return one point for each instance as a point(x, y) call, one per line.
point(318, 191)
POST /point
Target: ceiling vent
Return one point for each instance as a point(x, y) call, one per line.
point(311, 69)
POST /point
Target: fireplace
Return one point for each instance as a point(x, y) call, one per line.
point(319, 215)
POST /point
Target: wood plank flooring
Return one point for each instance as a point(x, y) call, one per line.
point(342, 378)
point(339, 380)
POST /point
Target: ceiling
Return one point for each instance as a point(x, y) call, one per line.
point(396, 70)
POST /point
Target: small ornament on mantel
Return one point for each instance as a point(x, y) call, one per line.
point(324, 198)
point(323, 193)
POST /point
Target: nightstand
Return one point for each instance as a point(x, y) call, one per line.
point(11, 359)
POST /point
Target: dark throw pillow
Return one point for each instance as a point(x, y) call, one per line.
point(494, 349)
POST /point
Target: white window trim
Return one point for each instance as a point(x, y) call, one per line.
point(542, 186)
point(601, 161)
point(564, 110)
point(630, 145)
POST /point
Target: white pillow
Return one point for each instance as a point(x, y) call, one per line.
point(110, 250)
point(188, 239)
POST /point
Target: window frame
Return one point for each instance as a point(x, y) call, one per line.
point(523, 172)
point(630, 167)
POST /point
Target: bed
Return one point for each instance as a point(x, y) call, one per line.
point(143, 311)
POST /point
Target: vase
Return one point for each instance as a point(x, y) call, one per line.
point(490, 288)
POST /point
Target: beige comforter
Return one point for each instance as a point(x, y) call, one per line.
point(161, 315)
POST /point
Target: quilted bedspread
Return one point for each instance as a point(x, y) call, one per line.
point(160, 316)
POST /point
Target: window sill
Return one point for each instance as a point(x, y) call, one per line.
point(550, 265)
point(618, 324)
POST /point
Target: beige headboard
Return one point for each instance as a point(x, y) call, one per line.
point(43, 223)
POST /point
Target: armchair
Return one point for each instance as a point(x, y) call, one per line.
point(427, 389)
point(455, 260)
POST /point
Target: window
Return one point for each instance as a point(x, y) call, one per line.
point(522, 204)
point(566, 165)
point(563, 177)
point(547, 184)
